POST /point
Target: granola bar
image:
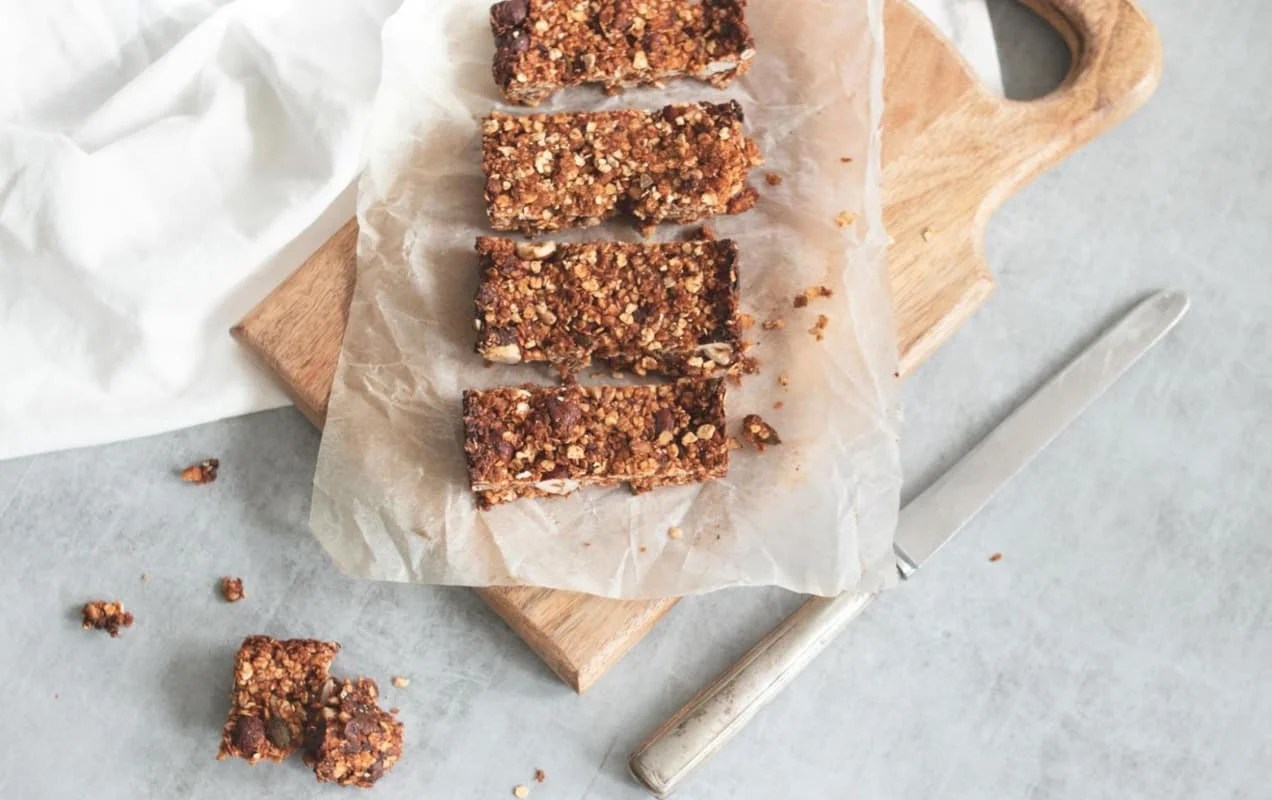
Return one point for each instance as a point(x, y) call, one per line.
point(542, 46)
point(352, 741)
point(669, 308)
point(276, 686)
point(681, 164)
point(536, 441)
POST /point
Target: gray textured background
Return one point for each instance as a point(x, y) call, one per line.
point(1120, 649)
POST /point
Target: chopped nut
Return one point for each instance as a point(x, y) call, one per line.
point(535, 251)
point(520, 791)
point(996, 557)
point(819, 327)
point(774, 324)
point(845, 219)
point(106, 616)
point(759, 433)
point(773, 179)
point(232, 589)
point(202, 472)
point(401, 681)
point(674, 532)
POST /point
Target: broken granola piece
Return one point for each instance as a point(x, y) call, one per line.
point(542, 46)
point(276, 686)
point(232, 589)
point(669, 308)
point(351, 740)
point(773, 179)
point(759, 433)
point(539, 775)
point(774, 324)
point(680, 164)
point(845, 219)
point(535, 441)
point(819, 327)
point(105, 615)
point(202, 472)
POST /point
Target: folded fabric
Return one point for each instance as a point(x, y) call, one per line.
point(156, 158)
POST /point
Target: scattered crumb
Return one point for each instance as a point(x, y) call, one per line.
point(784, 379)
point(845, 159)
point(106, 616)
point(750, 365)
point(800, 300)
point(759, 433)
point(778, 405)
point(996, 557)
point(812, 293)
point(819, 327)
point(539, 775)
point(927, 234)
point(773, 179)
point(232, 589)
point(587, 544)
point(521, 790)
point(401, 681)
point(145, 577)
point(774, 324)
point(734, 444)
point(647, 231)
point(845, 219)
point(702, 233)
point(675, 533)
point(643, 548)
point(746, 322)
point(203, 472)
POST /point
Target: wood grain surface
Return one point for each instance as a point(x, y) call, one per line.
point(953, 151)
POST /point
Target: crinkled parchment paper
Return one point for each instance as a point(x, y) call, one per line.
point(816, 514)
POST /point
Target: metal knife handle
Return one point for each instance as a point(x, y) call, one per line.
point(723, 708)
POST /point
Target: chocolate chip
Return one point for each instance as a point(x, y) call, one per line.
point(514, 43)
point(249, 735)
point(278, 732)
point(565, 414)
point(502, 447)
point(507, 15)
point(664, 421)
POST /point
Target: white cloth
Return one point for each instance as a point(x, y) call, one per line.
point(156, 158)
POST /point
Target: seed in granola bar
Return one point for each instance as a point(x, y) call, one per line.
point(232, 589)
point(278, 733)
point(759, 433)
point(202, 472)
point(106, 616)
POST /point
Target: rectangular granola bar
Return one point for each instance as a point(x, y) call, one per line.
point(534, 441)
point(680, 164)
point(669, 307)
point(276, 686)
point(542, 46)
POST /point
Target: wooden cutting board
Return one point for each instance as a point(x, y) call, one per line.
point(952, 153)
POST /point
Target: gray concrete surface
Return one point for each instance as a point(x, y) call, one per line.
point(1120, 649)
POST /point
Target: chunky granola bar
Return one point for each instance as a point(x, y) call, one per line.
point(542, 46)
point(351, 740)
point(537, 441)
point(679, 165)
point(669, 308)
point(276, 686)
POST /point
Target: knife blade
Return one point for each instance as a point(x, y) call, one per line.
point(925, 525)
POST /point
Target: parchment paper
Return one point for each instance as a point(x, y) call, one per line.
point(816, 514)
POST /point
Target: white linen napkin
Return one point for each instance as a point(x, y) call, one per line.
point(157, 157)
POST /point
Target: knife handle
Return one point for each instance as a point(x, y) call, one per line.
point(720, 710)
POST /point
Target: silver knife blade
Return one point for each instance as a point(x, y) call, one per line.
point(933, 518)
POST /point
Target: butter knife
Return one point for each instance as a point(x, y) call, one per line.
point(925, 525)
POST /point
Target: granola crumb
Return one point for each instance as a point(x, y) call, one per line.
point(750, 365)
point(702, 233)
point(800, 300)
point(104, 615)
point(813, 293)
point(539, 775)
point(647, 231)
point(845, 159)
point(819, 327)
point(784, 379)
point(746, 322)
point(202, 472)
point(733, 443)
point(773, 324)
point(521, 791)
point(674, 532)
point(145, 577)
point(401, 681)
point(996, 557)
point(773, 179)
point(927, 234)
point(644, 549)
point(778, 405)
point(759, 433)
point(845, 219)
point(232, 589)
